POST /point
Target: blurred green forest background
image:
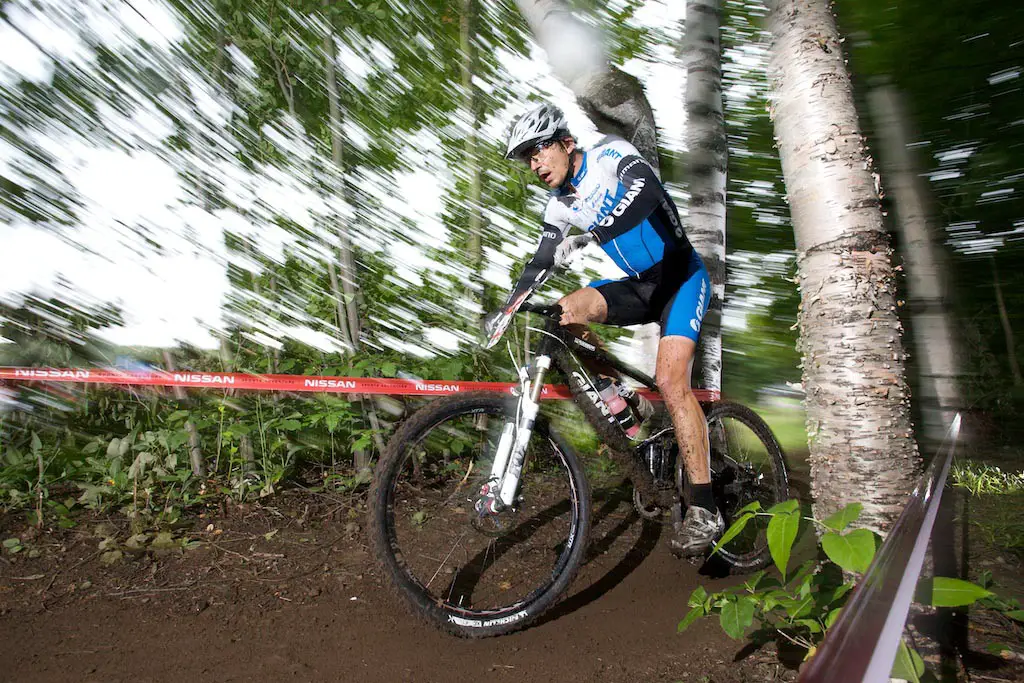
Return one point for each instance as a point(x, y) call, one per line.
point(337, 168)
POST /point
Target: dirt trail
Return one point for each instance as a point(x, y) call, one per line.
point(305, 604)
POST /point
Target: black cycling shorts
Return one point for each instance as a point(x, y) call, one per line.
point(675, 292)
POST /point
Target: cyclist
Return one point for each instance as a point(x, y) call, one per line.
point(613, 196)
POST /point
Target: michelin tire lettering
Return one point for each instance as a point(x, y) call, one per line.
point(473, 623)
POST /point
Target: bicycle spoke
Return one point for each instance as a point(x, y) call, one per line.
point(444, 561)
point(491, 561)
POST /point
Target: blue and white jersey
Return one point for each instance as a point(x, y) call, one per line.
point(616, 196)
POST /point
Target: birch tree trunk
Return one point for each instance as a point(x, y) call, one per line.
point(347, 274)
point(939, 395)
point(706, 172)
point(611, 98)
point(858, 419)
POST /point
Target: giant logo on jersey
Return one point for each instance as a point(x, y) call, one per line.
point(670, 211)
point(625, 203)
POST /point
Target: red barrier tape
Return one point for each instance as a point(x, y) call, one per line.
point(307, 383)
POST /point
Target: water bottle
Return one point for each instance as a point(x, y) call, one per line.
point(642, 408)
point(617, 405)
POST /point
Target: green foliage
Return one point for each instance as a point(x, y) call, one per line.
point(852, 551)
point(908, 665)
point(782, 530)
point(943, 591)
point(13, 545)
point(804, 604)
point(995, 504)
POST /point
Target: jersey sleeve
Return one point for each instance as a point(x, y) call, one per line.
point(639, 195)
point(542, 262)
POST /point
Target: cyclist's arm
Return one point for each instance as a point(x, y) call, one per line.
point(642, 195)
point(543, 260)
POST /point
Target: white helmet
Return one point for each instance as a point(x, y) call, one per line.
point(543, 122)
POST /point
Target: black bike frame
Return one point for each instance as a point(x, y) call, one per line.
point(553, 331)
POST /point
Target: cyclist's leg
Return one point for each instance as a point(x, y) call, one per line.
point(616, 302)
point(673, 373)
point(680, 323)
point(583, 306)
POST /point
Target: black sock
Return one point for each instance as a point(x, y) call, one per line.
point(701, 496)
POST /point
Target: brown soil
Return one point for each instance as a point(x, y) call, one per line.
point(287, 590)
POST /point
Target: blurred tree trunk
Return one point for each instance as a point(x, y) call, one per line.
point(349, 286)
point(223, 71)
point(195, 450)
point(706, 170)
point(1004, 319)
point(611, 98)
point(858, 418)
point(927, 293)
point(471, 114)
point(347, 300)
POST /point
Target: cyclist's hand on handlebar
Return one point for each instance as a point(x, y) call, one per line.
point(569, 246)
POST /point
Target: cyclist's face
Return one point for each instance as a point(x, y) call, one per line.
point(551, 161)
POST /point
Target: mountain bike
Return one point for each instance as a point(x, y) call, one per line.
point(479, 511)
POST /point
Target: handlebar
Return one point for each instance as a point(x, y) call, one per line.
point(553, 311)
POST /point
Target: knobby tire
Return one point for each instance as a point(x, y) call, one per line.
point(423, 490)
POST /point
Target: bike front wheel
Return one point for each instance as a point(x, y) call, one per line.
point(470, 574)
point(747, 465)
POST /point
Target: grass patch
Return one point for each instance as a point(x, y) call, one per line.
point(998, 520)
point(979, 478)
point(788, 423)
point(996, 503)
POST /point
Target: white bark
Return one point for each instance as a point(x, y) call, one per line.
point(926, 266)
point(706, 171)
point(861, 440)
point(349, 298)
point(613, 99)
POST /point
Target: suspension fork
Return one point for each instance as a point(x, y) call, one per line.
point(503, 484)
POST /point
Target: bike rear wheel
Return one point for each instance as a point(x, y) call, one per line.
point(473, 575)
point(747, 464)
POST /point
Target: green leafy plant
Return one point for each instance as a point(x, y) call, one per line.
point(802, 605)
